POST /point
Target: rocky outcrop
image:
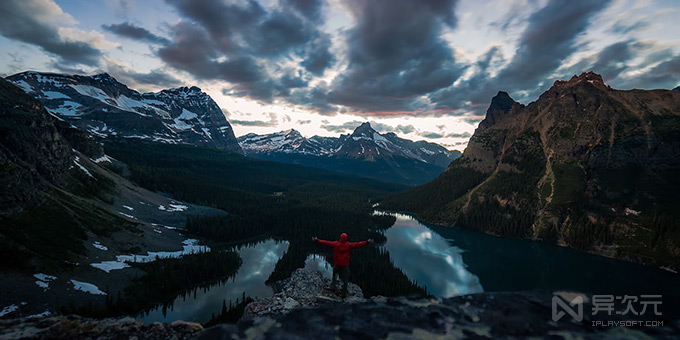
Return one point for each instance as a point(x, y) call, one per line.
point(77, 328)
point(303, 289)
point(520, 315)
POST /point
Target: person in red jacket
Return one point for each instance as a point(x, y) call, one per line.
point(341, 250)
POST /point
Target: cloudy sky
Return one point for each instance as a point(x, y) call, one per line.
point(424, 69)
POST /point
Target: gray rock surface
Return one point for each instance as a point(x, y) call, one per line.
point(303, 288)
point(76, 328)
point(515, 315)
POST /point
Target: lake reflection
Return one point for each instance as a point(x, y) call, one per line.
point(258, 263)
point(318, 263)
point(428, 259)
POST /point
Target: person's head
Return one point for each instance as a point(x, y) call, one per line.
point(343, 237)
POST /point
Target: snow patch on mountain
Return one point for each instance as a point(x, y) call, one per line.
point(86, 287)
point(190, 246)
point(54, 95)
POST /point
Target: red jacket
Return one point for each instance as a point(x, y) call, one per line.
point(341, 249)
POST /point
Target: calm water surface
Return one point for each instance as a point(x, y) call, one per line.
point(450, 261)
point(258, 263)
point(447, 262)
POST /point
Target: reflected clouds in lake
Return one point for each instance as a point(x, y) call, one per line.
point(258, 263)
point(318, 263)
point(428, 259)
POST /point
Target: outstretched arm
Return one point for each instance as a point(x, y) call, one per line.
point(360, 244)
point(323, 242)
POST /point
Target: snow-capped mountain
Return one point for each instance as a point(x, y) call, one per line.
point(106, 107)
point(364, 143)
point(364, 152)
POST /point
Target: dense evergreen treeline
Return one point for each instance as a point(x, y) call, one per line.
point(166, 278)
point(230, 313)
point(266, 199)
point(431, 200)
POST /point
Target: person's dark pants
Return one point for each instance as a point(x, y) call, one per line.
point(343, 272)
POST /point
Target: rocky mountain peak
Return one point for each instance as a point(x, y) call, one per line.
point(292, 133)
point(364, 129)
point(586, 76)
point(677, 88)
point(589, 79)
point(500, 105)
point(105, 77)
point(502, 101)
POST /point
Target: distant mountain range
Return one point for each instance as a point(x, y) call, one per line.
point(105, 107)
point(585, 166)
point(364, 152)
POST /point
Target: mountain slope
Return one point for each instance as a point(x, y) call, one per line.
point(57, 193)
point(105, 107)
point(585, 166)
point(364, 152)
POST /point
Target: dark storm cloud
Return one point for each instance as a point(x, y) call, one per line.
point(303, 122)
point(459, 135)
point(384, 128)
point(318, 57)
point(193, 50)
point(132, 31)
point(405, 128)
point(25, 21)
point(244, 43)
point(665, 75)
point(550, 37)
point(344, 127)
point(431, 135)
point(252, 123)
point(396, 54)
point(314, 98)
point(611, 60)
point(273, 121)
point(154, 77)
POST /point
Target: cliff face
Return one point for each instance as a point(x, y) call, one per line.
point(585, 166)
point(33, 150)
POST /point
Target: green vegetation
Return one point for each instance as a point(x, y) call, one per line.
point(267, 199)
point(431, 200)
point(504, 205)
point(167, 278)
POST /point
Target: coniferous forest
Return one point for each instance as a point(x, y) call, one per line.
point(264, 200)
